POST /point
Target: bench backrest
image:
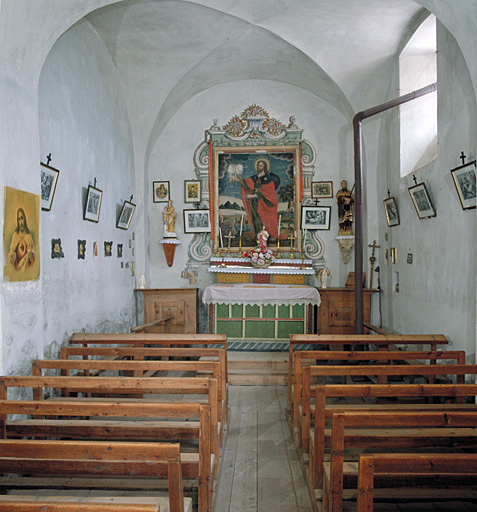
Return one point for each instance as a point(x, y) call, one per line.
point(13, 504)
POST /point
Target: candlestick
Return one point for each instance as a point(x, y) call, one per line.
point(241, 225)
point(292, 239)
point(279, 224)
point(221, 240)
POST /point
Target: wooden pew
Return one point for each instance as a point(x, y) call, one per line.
point(381, 341)
point(301, 357)
point(324, 411)
point(96, 459)
point(457, 371)
point(398, 431)
point(13, 503)
point(416, 465)
point(133, 420)
point(141, 368)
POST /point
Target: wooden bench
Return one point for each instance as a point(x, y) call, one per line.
point(457, 371)
point(368, 393)
point(399, 431)
point(97, 459)
point(414, 465)
point(14, 503)
point(141, 368)
point(302, 357)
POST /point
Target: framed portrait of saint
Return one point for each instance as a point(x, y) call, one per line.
point(126, 215)
point(49, 177)
point(160, 191)
point(252, 189)
point(422, 201)
point(465, 184)
point(92, 206)
point(192, 191)
point(391, 210)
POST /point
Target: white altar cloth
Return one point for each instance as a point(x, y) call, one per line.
point(261, 294)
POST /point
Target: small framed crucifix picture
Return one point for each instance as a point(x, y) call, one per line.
point(321, 189)
point(464, 180)
point(192, 191)
point(392, 213)
point(92, 206)
point(422, 201)
point(160, 191)
point(126, 215)
point(315, 217)
point(49, 177)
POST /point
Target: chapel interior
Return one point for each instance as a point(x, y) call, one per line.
point(144, 100)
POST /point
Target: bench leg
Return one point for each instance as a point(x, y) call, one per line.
point(365, 484)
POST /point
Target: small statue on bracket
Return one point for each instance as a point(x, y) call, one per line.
point(345, 200)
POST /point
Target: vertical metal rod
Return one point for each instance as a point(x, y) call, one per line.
point(359, 207)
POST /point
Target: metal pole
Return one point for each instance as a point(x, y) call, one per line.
point(358, 176)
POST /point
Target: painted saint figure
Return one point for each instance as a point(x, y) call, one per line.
point(22, 251)
point(259, 196)
point(345, 201)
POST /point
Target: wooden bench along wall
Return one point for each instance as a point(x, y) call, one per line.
point(368, 393)
point(97, 458)
point(302, 357)
point(14, 503)
point(416, 465)
point(397, 431)
point(141, 368)
point(457, 371)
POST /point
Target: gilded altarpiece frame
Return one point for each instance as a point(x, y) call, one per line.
point(253, 135)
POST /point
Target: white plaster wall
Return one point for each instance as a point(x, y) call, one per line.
point(172, 159)
point(84, 125)
point(437, 291)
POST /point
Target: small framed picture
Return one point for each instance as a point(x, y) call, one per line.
point(196, 221)
point(192, 191)
point(392, 213)
point(160, 190)
point(321, 189)
point(126, 214)
point(422, 201)
point(81, 249)
point(315, 217)
point(49, 177)
point(92, 205)
point(108, 249)
point(464, 180)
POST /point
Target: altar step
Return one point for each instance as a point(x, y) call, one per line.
point(257, 368)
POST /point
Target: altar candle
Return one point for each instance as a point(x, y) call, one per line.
point(221, 241)
point(241, 225)
point(279, 223)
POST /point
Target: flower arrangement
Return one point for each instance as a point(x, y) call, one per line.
point(260, 258)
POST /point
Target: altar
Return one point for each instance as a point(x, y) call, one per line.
point(258, 309)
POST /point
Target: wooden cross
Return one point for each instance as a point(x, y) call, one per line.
point(48, 159)
point(229, 237)
point(414, 178)
point(372, 260)
point(130, 200)
point(94, 183)
point(292, 240)
point(462, 157)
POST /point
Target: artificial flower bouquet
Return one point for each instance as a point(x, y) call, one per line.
point(260, 258)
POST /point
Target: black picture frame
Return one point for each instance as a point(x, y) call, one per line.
point(321, 189)
point(465, 184)
point(92, 205)
point(49, 178)
point(161, 191)
point(126, 215)
point(391, 211)
point(422, 201)
point(315, 217)
point(196, 221)
point(192, 191)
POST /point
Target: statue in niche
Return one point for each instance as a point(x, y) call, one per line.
point(345, 200)
point(169, 220)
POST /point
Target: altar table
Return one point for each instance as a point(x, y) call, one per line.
point(260, 313)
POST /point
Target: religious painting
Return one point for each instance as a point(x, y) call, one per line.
point(315, 217)
point(192, 191)
point(49, 177)
point(126, 215)
point(196, 221)
point(108, 249)
point(391, 210)
point(92, 206)
point(81, 249)
point(56, 249)
point(422, 201)
point(119, 248)
point(253, 189)
point(321, 189)
point(465, 183)
point(95, 251)
point(21, 240)
point(160, 191)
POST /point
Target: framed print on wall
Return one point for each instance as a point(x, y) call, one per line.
point(315, 217)
point(49, 177)
point(126, 215)
point(391, 210)
point(464, 180)
point(321, 189)
point(196, 221)
point(192, 191)
point(160, 191)
point(422, 201)
point(92, 207)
